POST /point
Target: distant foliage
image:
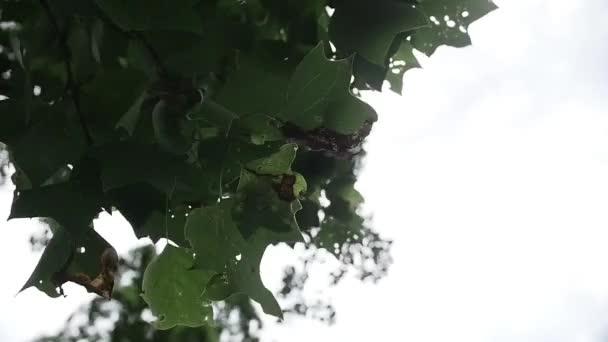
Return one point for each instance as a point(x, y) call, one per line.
point(224, 126)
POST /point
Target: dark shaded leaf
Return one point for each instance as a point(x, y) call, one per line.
point(368, 28)
point(140, 15)
point(67, 203)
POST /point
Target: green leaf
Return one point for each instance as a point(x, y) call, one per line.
point(67, 203)
point(53, 259)
point(13, 122)
point(348, 115)
point(245, 275)
point(368, 28)
point(402, 61)
point(90, 247)
point(219, 289)
point(107, 97)
point(261, 128)
point(129, 121)
point(139, 58)
point(214, 114)
point(349, 194)
point(96, 39)
point(276, 164)
point(127, 163)
point(367, 74)
point(449, 22)
point(150, 213)
point(48, 144)
point(83, 62)
point(214, 237)
point(259, 206)
point(166, 129)
point(174, 291)
point(320, 86)
point(257, 86)
point(167, 224)
point(314, 84)
point(142, 15)
point(308, 217)
point(220, 247)
point(222, 158)
point(64, 253)
point(300, 186)
point(205, 54)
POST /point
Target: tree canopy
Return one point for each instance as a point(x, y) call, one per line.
point(223, 126)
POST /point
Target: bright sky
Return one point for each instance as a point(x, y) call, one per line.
point(490, 174)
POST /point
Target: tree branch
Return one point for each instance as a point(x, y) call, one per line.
point(158, 62)
point(71, 85)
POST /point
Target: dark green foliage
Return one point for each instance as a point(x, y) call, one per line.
point(217, 124)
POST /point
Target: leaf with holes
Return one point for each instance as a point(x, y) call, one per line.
point(368, 28)
point(220, 248)
point(402, 61)
point(214, 237)
point(66, 257)
point(174, 290)
point(449, 23)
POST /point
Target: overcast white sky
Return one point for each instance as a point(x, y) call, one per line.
point(490, 174)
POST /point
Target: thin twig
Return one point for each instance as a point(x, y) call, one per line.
point(71, 85)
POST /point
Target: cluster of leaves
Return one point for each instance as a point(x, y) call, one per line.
point(217, 124)
point(126, 318)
